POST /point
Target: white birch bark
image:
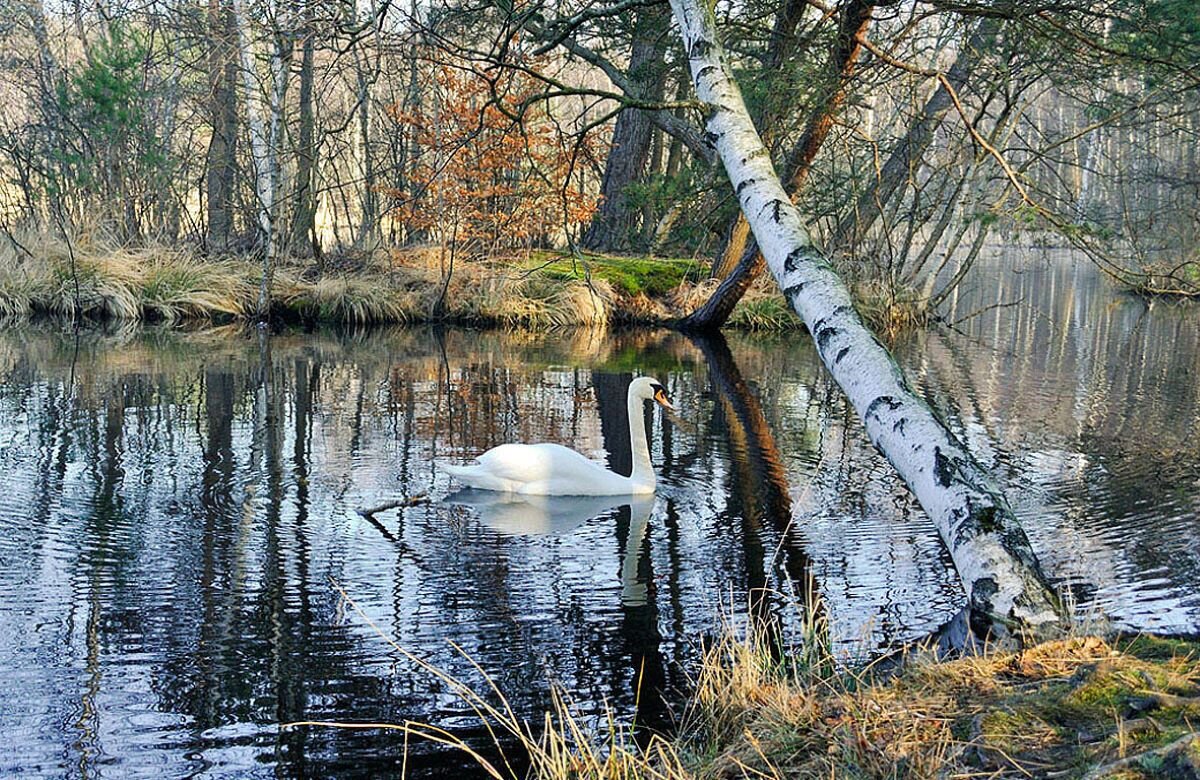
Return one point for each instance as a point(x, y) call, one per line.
point(1007, 592)
point(264, 145)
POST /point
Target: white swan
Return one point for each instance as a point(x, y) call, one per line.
point(554, 470)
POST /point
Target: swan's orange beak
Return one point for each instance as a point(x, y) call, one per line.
point(660, 396)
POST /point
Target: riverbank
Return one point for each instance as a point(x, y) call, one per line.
point(541, 290)
point(1079, 708)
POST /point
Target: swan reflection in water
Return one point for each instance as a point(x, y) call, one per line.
point(515, 514)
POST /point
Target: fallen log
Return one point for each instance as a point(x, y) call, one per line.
point(1008, 594)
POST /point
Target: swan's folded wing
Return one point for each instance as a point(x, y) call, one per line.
point(526, 463)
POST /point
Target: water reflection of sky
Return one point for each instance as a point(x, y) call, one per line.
point(174, 509)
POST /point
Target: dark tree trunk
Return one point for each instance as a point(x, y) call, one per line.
point(304, 218)
point(616, 220)
point(222, 149)
point(782, 41)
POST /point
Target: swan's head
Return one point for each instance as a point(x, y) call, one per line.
point(649, 389)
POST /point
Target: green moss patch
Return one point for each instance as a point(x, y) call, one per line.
point(634, 275)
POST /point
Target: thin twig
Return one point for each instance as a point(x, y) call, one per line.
point(1178, 745)
point(977, 312)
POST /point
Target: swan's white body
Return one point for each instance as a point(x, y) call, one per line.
point(554, 470)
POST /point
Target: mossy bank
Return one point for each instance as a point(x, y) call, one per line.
point(1081, 707)
point(539, 290)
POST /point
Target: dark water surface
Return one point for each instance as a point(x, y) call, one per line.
point(175, 509)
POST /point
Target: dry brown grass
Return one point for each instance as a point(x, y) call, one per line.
point(175, 286)
point(1076, 707)
point(101, 281)
point(1065, 708)
point(560, 745)
point(889, 310)
point(164, 284)
point(170, 284)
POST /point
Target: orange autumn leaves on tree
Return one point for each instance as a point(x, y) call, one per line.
point(494, 171)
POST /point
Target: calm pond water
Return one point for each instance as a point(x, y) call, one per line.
point(177, 511)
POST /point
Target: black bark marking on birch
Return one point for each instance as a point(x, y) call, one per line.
point(711, 138)
point(745, 183)
point(841, 354)
point(944, 467)
point(789, 265)
point(704, 71)
point(982, 591)
point(775, 204)
point(795, 289)
point(700, 49)
point(898, 426)
point(837, 312)
point(958, 519)
point(824, 335)
point(884, 400)
point(967, 522)
point(987, 520)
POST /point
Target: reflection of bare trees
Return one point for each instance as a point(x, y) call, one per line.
point(1088, 404)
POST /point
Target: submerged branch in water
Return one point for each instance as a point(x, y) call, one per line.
point(401, 503)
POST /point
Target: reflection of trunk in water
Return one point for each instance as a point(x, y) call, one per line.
point(960, 379)
point(216, 502)
point(97, 557)
point(611, 399)
point(759, 488)
point(290, 686)
point(55, 425)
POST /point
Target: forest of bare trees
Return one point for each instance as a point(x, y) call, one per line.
point(321, 136)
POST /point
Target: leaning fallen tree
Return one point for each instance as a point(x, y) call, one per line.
point(1008, 594)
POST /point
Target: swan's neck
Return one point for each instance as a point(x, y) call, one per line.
point(643, 469)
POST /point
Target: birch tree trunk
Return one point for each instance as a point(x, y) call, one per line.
point(264, 145)
point(1008, 594)
point(741, 262)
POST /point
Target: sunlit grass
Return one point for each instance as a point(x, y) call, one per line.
point(166, 284)
point(891, 309)
point(1075, 707)
point(176, 287)
point(357, 299)
point(543, 291)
